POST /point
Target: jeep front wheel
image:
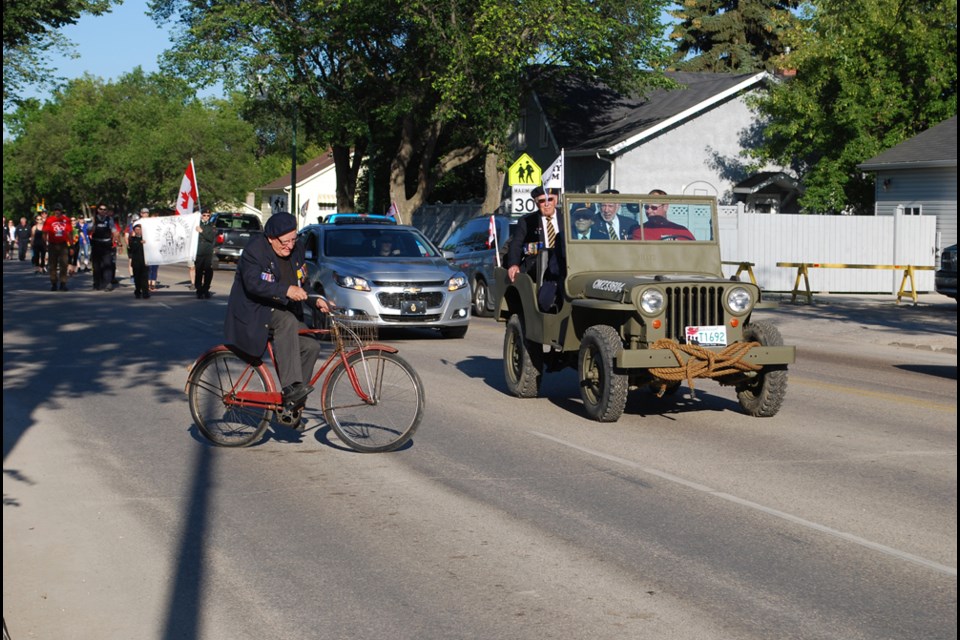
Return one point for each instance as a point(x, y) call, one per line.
point(522, 361)
point(762, 396)
point(602, 389)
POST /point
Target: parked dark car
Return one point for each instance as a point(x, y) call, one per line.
point(234, 232)
point(468, 249)
point(387, 275)
point(946, 276)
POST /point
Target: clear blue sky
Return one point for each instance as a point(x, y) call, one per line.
point(112, 44)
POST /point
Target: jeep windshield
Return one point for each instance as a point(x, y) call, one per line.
point(646, 235)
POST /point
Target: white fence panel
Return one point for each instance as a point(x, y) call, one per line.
point(766, 240)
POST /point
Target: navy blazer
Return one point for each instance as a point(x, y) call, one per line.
point(529, 230)
point(627, 225)
point(256, 292)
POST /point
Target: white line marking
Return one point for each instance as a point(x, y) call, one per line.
point(896, 553)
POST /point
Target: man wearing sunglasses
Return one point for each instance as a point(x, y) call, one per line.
point(534, 233)
point(657, 226)
point(267, 296)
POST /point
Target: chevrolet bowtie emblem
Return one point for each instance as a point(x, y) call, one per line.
point(412, 290)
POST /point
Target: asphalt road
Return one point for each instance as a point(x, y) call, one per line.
point(504, 518)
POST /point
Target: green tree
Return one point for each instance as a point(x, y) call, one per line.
point(427, 86)
point(869, 75)
point(126, 143)
point(732, 35)
point(30, 34)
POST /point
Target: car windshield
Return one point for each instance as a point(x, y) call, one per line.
point(657, 219)
point(376, 242)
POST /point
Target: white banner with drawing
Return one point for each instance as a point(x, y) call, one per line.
point(170, 239)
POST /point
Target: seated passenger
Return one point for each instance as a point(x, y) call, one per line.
point(610, 224)
point(657, 226)
point(583, 219)
point(385, 247)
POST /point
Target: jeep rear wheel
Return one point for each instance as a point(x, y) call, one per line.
point(522, 361)
point(762, 396)
point(602, 389)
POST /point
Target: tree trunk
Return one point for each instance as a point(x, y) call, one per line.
point(494, 179)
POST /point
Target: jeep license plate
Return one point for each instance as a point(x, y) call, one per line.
point(413, 308)
point(710, 336)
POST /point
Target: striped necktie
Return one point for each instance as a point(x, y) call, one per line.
point(551, 233)
point(611, 231)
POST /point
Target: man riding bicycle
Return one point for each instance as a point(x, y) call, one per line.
point(267, 296)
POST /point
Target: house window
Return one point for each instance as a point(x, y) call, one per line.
point(544, 134)
point(914, 210)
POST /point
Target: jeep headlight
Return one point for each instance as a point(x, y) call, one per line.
point(457, 282)
point(651, 301)
point(352, 282)
point(739, 300)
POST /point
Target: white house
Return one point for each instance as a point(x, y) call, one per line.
point(316, 191)
point(686, 141)
point(919, 177)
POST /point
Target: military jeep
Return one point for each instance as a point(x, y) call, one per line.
point(650, 308)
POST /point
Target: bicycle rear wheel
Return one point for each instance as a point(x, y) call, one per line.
point(227, 425)
point(388, 420)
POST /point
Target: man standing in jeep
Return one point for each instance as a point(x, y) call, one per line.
point(534, 232)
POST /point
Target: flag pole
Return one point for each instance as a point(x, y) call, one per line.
point(196, 183)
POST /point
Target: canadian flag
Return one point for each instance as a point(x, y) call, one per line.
point(189, 196)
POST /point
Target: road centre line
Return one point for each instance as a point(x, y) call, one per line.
point(938, 406)
point(890, 551)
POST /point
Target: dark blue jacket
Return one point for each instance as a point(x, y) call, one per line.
point(256, 292)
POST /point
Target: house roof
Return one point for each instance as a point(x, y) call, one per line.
point(587, 117)
point(305, 171)
point(935, 147)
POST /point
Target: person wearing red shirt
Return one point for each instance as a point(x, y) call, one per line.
point(58, 231)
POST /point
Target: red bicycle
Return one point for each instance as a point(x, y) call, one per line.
point(371, 397)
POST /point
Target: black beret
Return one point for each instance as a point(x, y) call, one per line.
point(539, 191)
point(279, 224)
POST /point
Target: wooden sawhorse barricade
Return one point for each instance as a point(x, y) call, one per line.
point(741, 267)
point(803, 272)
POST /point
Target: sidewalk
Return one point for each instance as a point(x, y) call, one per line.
point(931, 324)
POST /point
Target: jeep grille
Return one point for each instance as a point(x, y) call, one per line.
point(692, 306)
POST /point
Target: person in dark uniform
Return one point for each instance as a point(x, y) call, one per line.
point(533, 232)
point(23, 239)
point(141, 272)
point(104, 234)
point(267, 295)
point(203, 263)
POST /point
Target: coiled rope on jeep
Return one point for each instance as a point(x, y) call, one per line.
point(702, 363)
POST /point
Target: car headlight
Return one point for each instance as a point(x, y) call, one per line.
point(457, 282)
point(739, 300)
point(651, 301)
point(352, 282)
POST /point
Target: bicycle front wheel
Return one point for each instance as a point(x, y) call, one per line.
point(390, 412)
point(211, 381)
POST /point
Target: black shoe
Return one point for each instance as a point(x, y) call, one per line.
point(295, 394)
point(109, 287)
point(206, 295)
point(53, 287)
point(137, 295)
point(63, 287)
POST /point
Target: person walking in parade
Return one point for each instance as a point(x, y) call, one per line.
point(23, 239)
point(135, 242)
point(58, 234)
point(204, 258)
point(104, 235)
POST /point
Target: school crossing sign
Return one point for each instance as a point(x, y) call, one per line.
point(523, 176)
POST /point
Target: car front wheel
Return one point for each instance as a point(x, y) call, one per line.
point(602, 389)
point(762, 396)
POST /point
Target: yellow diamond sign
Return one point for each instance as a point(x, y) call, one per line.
point(524, 171)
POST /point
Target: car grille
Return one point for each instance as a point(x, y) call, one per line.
point(434, 299)
point(422, 285)
point(410, 319)
point(692, 306)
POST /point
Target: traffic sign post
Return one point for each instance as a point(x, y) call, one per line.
point(521, 203)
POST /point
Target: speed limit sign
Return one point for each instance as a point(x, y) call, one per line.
point(520, 201)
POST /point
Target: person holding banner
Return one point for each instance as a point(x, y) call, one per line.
point(267, 296)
